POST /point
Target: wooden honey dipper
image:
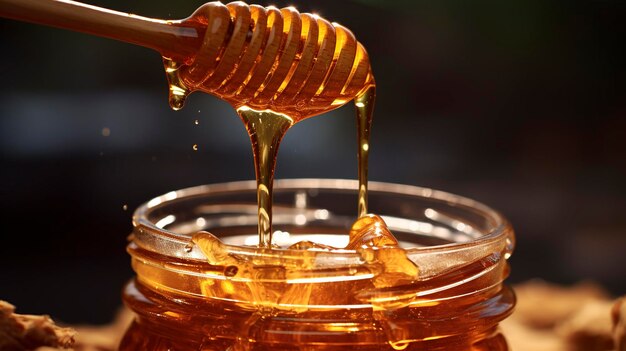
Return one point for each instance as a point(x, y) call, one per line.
point(275, 67)
point(265, 58)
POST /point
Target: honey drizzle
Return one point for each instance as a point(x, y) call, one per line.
point(364, 104)
point(266, 130)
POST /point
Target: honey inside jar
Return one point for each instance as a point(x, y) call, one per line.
point(314, 296)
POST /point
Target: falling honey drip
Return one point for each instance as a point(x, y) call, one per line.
point(364, 104)
point(177, 91)
point(266, 130)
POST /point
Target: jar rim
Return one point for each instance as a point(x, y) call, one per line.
point(500, 227)
point(285, 279)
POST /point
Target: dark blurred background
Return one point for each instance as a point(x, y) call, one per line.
point(519, 104)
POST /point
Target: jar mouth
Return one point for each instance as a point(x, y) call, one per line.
point(438, 230)
point(457, 250)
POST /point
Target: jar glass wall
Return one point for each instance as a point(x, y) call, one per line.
point(285, 299)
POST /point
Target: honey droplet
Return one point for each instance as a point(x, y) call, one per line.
point(178, 92)
point(195, 147)
point(266, 129)
point(364, 104)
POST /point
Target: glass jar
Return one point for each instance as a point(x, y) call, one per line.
point(316, 299)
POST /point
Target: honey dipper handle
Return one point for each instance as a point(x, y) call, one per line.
point(170, 38)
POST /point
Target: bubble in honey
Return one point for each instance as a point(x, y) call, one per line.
point(196, 122)
point(231, 271)
point(125, 207)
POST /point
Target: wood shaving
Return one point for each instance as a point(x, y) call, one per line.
point(589, 328)
point(25, 332)
point(544, 305)
point(104, 338)
point(550, 317)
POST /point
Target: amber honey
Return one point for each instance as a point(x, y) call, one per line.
point(435, 285)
